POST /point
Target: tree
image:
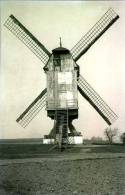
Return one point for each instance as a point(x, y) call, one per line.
point(110, 134)
point(122, 137)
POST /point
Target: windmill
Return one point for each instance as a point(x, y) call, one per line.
point(64, 80)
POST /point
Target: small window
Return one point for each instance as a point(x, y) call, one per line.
point(57, 61)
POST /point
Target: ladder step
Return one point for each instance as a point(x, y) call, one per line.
point(61, 128)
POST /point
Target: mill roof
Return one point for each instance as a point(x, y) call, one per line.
point(60, 50)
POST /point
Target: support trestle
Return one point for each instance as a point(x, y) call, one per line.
point(63, 126)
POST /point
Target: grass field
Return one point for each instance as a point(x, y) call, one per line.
point(11, 150)
point(30, 168)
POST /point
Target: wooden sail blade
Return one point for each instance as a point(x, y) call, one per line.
point(33, 109)
point(96, 101)
point(27, 38)
point(94, 34)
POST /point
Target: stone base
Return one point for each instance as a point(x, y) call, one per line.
point(70, 140)
point(75, 139)
point(48, 141)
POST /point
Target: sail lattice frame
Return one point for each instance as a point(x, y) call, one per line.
point(96, 101)
point(27, 38)
point(94, 34)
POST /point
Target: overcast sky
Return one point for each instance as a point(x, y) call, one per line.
point(22, 77)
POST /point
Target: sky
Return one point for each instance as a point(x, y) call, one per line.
point(22, 77)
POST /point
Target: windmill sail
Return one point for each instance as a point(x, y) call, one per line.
point(27, 38)
point(94, 34)
point(25, 118)
point(96, 101)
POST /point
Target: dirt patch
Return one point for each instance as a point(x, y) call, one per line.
point(83, 177)
point(34, 169)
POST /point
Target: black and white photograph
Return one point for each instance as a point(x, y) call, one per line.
point(62, 108)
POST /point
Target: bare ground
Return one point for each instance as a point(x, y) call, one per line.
point(81, 173)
